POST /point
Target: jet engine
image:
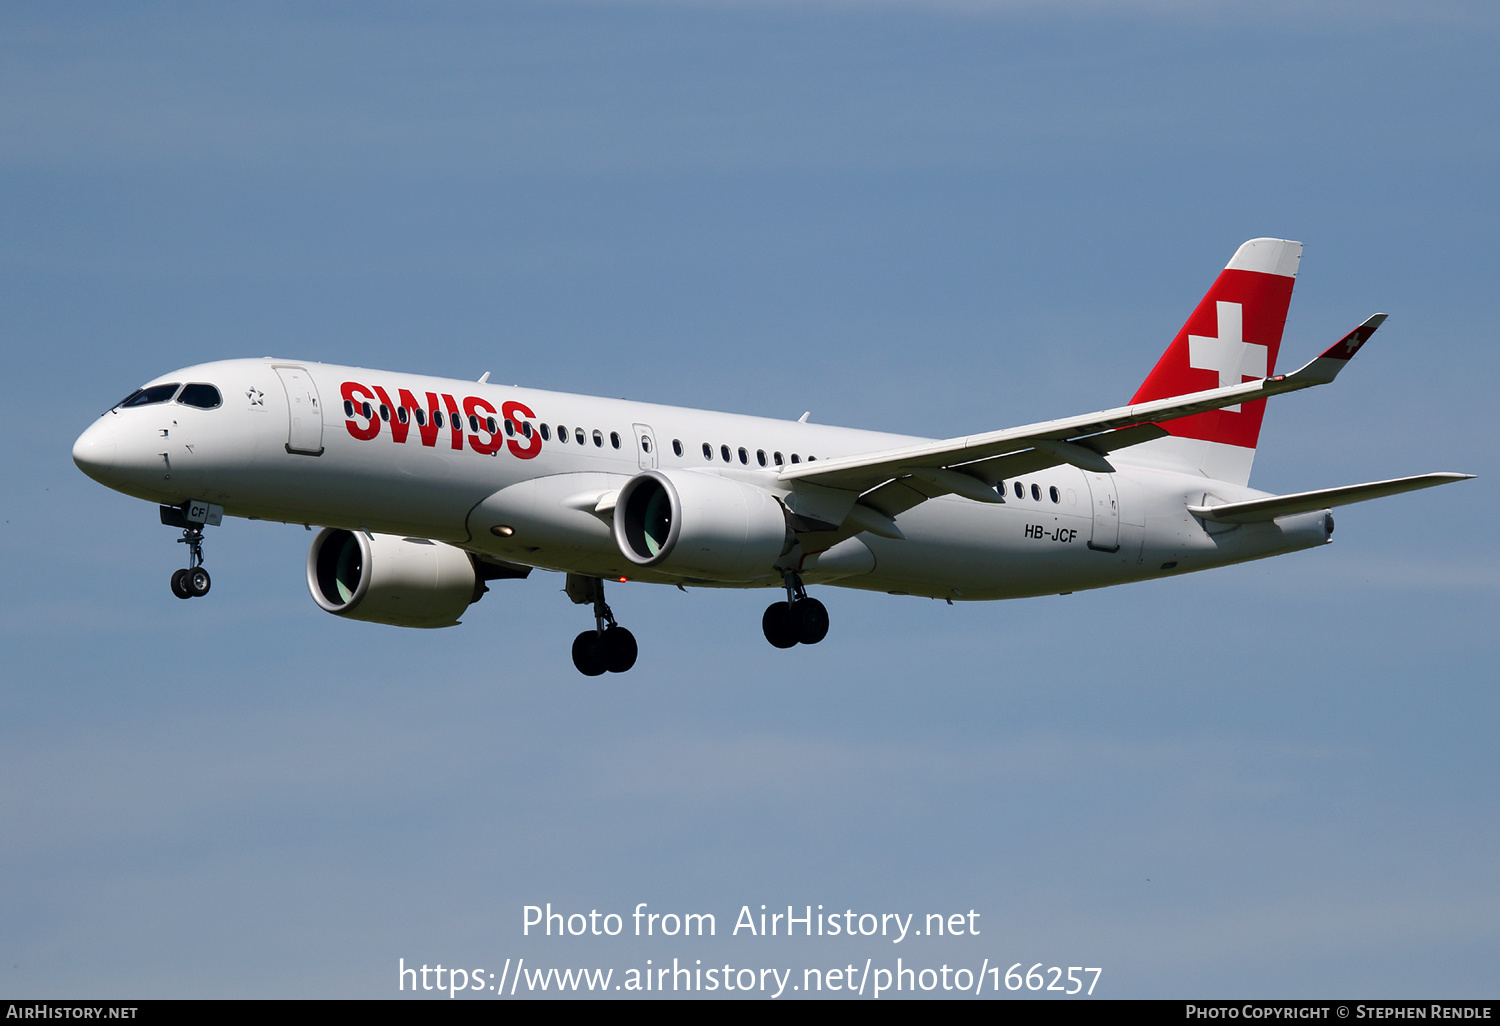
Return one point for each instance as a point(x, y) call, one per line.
point(405, 582)
point(700, 525)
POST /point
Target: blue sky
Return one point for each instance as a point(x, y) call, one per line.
point(1269, 780)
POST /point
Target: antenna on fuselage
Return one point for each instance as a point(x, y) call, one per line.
point(803, 419)
point(485, 377)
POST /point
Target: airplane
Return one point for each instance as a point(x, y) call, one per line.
point(427, 490)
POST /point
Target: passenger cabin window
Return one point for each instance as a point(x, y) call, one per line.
point(1036, 493)
point(777, 457)
point(760, 455)
point(149, 396)
point(526, 428)
point(724, 452)
point(348, 408)
point(1020, 492)
point(403, 414)
point(1053, 493)
point(614, 439)
point(578, 435)
point(645, 444)
point(546, 434)
point(437, 418)
point(708, 451)
point(204, 397)
point(562, 433)
point(598, 439)
point(421, 416)
point(677, 446)
point(385, 412)
point(744, 456)
point(795, 459)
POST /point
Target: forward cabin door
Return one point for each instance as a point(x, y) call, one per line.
point(304, 412)
point(1106, 507)
point(645, 446)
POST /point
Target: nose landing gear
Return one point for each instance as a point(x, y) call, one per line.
point(193, 580)
point(608, 648)
point(797, 620)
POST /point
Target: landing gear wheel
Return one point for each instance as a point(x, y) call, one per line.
point(618, 648)
point(192, 581)
point(588, 655)
point(777, 625)
point(196, 581)
point(809, 619)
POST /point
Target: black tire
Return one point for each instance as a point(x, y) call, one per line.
point(618, 649)
point(587, 655)
point(197, 582)
point(777, 625)
point(810, 621)
point(179, 586)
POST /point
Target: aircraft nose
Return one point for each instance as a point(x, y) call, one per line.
point(94, 452)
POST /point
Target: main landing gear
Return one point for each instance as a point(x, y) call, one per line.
point(608, 647)
point(192, 581)
point(798, 619)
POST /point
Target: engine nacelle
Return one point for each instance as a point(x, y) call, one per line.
point(405, 582)
point(700, 525)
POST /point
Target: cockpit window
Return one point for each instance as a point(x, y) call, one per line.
point(148, 396)
point(205, 397)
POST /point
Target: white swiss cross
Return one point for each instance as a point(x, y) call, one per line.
point(1233, 358)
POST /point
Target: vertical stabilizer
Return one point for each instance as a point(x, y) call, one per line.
point(1232, 336)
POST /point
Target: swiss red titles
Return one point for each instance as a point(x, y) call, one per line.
point(473, 420)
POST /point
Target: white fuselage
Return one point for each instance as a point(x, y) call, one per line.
point(285, 446)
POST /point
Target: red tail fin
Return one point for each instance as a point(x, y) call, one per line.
point(1232, 336)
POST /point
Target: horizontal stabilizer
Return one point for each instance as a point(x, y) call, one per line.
point(1275, 506)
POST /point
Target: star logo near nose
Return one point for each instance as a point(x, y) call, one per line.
point(256, 396)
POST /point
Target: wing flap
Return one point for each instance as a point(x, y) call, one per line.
point(1256, 510)
point(900, 494)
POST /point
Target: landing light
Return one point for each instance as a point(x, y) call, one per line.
point(502, 530)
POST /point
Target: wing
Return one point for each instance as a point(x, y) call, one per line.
point(895, 480)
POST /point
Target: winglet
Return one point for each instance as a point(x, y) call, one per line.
point(1327, 366)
